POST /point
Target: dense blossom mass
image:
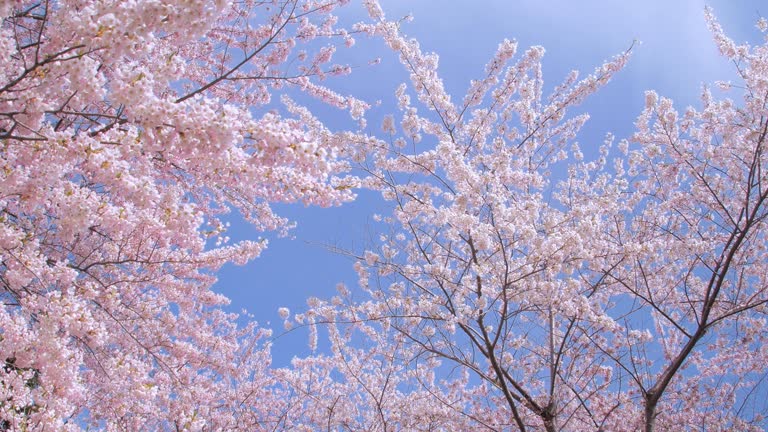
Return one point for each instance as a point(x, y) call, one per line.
point(128, 129)
point(518, 284)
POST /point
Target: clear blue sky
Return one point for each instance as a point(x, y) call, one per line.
point(674, 57)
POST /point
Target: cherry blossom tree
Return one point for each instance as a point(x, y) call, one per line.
point(478, 272)
point(128, 130)
point(689, 249)
point(533, 288)
point(518, 284)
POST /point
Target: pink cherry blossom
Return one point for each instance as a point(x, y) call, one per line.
point(627, 294)
point(518, 283)
point(128, 129)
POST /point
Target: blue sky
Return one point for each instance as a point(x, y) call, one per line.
point(674, 56)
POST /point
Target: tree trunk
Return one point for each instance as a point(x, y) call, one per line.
point(550, 425)
point(650, 413)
